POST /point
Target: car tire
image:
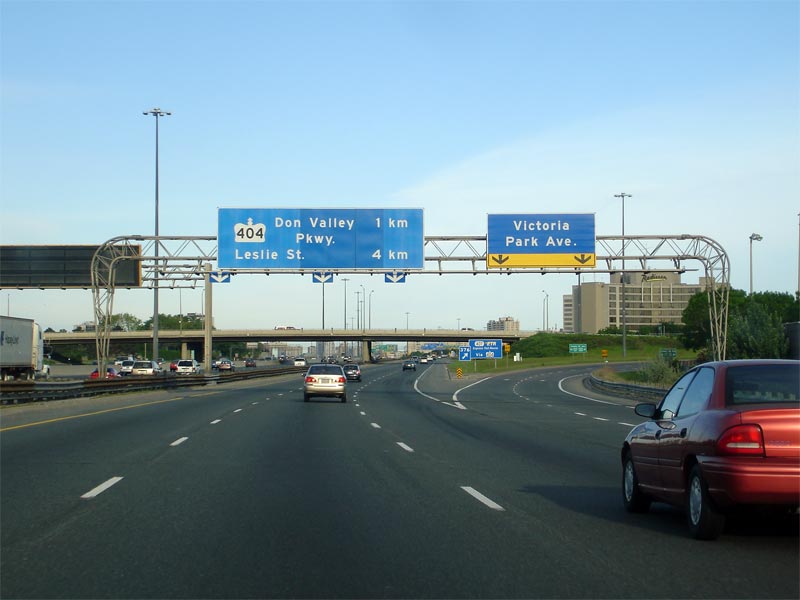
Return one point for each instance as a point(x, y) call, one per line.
point(706, 522)
point(633, 498)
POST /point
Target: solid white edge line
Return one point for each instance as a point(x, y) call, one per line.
point(405, 447)
point(416, 389)
point(455, 396)
point(179, 441)
point(101, 488)
point(481, 498)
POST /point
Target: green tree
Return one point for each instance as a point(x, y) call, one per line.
point(696, 334)
point(756, 332)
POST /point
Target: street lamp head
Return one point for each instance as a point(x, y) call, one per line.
point(754, 237)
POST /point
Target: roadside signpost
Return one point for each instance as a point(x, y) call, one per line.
point(577, 348)
point(540, 240)
point(464, 353)
point(387, 240)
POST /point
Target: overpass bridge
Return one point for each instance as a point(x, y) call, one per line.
point(194, 338)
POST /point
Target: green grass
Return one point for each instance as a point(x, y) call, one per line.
point(550, 349)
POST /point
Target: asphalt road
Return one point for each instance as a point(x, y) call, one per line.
point(419, 487)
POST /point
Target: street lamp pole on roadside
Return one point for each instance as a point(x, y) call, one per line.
point(369, 313)
point(546, 311)
point(754, 237)
point(623, 195)
point(156, 112)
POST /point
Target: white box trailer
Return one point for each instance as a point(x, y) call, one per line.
point(21, 348)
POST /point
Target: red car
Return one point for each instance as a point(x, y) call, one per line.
point(111, 373)
point(727, 434)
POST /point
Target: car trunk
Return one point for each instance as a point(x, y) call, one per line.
point(781, 427)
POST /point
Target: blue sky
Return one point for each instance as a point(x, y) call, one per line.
point(459, 108)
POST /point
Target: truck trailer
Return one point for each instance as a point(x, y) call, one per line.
point(21, 348)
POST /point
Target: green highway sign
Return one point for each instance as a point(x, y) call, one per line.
point(574, 348)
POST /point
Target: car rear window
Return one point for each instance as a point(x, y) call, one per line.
point(763, 384)
point(325, 370)
point(185, 363)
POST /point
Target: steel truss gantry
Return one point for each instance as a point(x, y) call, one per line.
point(182, 262)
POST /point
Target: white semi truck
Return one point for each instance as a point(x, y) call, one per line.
point(21, 349)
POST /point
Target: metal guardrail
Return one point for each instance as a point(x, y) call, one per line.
point(626, 390)
point(20, 392)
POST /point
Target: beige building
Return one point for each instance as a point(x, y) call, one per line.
point(650, 301)
point(503, 324)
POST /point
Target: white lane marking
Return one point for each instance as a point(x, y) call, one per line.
point(363, 414)
point(101, 488)
point(600, 419)
point(238, 410)
point(416, 389)
point(561, 387)
point(580, 414)
point(254, 403)
point(455, 396)
point(375, 425)
point(215, 421)
point(481, 498)
point(624, 423)
point(405, 447)
point(179, 441)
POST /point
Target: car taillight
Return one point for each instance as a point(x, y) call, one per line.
point(310, 380)
point(745, 440)
point(342, 380)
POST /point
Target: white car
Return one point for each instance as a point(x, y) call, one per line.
point(187, 367)
point(299, 362)
point(146, 367)
point(126, 367)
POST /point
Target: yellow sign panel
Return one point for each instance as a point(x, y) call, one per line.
point(505, 261)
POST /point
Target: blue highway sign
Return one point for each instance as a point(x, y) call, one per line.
point(220, 277)
point(320, 239)
point(486, 348)
point(394, 277)
point(540, 240)
point(321, 277)
point(464, 353)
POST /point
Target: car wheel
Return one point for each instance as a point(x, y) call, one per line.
point(634, 499)
point(705, 521)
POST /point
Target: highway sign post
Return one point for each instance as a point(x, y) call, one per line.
point(267, 239)
point(577, 348)
point(540, 240)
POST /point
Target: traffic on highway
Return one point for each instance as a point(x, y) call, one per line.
point(421, 485)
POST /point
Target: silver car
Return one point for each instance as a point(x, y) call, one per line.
point(325, 380)
point(146, 367)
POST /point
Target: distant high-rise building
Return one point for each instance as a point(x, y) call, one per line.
point(503, 324)
point(650, 301)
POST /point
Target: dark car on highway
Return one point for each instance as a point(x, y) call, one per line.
point(725, 436)
point(250, 362)
point(409, 365)
point(352, 371)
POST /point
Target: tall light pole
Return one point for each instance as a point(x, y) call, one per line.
point(358, 309)
point(623, 195)
point(546, 311)
point(369, 325)
point(345, 279)
point(754, 237)
point(458, 320)
point(363, 306)
point(156, 112)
